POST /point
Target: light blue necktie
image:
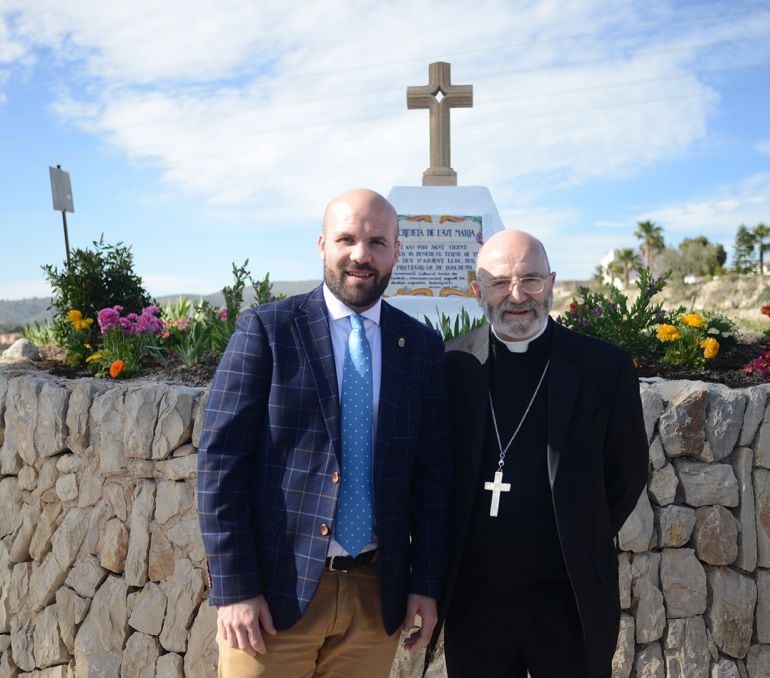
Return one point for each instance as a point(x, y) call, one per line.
point(354, 506)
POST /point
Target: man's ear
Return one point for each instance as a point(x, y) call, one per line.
point(321, 243)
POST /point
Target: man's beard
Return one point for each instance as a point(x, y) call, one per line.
point(513, 328)
point(356, 296)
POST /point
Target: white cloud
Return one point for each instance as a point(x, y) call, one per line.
point(764, 146)
point(716, 216)
point(246, 103)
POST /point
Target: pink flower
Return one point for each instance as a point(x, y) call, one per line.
point(222, 314)
point(109, 318)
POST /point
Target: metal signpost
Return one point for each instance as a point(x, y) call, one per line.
point(61, 190)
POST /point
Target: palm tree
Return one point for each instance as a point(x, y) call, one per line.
point(626, 260)
point(652, 240)
point(760, 232)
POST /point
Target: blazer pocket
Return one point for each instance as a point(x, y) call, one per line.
point(606, 565)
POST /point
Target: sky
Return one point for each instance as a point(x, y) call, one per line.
point(207, 132)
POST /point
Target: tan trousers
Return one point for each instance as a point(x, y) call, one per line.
point(340, 635)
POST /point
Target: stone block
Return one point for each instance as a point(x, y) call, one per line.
point(142, 403)
point(636, 533)
point(140, 657)
point(102, 635)
point(40, 542)
point(22, 642)
point(11, 499)
point(67, 487)
point(756, 397)
point(762, 447)
point(177, 468)
point(686, 648)
point(78, 426)
point(624, 580)
point(725, 412)
point(172, 498)
point(184, 593)
point(175, 421)
point(730, 615)
point(662, 485)
point(71, 610)
point(657, 454)
point(3, 393)
point(21, 415)
point(652, 405)
point(724, 668)
point(758, 661)
point(716, 535)
point(114, 547)
point(647, 599)
point(200, 660)
point(683, 582)
point(649, 662)
point(143, 506)
point(149, 610)
point(200, 410)
point(743, 460)
point(682, 426)
point(86, 576)
point(623, 659)
point(707, 484)
point(51, 426)
point(160, 560)
point(49, 649)
point(761, 482)
point(763, 606)
point(106, 424)
point(170, 666)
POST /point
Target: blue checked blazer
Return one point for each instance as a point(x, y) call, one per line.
point(271, 444)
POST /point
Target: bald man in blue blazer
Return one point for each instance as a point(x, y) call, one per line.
point(291, 600)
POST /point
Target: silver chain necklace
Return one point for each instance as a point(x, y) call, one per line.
point(497, 486)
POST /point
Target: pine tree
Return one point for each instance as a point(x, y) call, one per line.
point(743, 251)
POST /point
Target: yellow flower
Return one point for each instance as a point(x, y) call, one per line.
point(94, 356)
point(710, 348)
point(77, 321)
point(693, 320)
point(667, 333)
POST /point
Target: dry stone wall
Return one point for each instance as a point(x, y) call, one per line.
point(102, 569)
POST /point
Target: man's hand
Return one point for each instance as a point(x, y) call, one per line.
point(418, 636)
point(241, 624)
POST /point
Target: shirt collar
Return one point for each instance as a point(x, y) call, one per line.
point(338, 310)
point(519, 346)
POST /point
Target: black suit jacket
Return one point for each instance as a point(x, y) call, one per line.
point(597, 462)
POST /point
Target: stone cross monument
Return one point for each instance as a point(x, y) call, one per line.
point(439, 96)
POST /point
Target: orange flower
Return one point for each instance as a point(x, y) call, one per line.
point(117, 368)
point(765, 310)
point(636, 364)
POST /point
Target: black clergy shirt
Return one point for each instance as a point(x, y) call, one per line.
point(520, 546)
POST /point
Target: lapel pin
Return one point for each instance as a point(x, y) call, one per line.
point(401, 342)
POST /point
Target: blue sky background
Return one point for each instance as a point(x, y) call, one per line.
point(204, 132)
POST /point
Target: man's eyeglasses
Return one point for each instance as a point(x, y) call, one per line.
point(528, 284)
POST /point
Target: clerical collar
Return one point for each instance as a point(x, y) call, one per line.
point(519, 346)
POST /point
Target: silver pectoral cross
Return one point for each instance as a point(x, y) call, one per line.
point(496, 487)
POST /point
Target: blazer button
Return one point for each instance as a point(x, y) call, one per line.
point(335, 477)
point(324, 529)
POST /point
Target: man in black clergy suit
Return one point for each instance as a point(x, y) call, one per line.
point(550, 458)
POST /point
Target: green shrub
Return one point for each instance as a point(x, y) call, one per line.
point(93, 279)
point(607, 315)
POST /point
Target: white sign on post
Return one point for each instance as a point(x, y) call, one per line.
point(61, 190)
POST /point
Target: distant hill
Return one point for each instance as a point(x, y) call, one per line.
point(14, 315)
point(739, 297)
